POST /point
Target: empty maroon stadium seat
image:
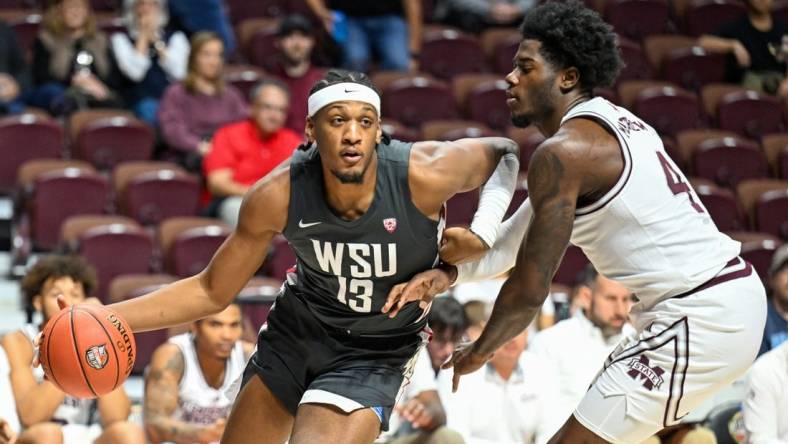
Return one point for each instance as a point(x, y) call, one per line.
point(636, 19)
point(60, 194)
point(520, 194)
point(780, 10)
point(636, 65)
point(280, 259)
point(487, 103)
point(447, 52)
point(461, 207)
point(500, 45)
point(667, 109)
point(256, 300)
point(693, 67)
point(776, 148)
point(156, 194)
point(722, 206)
point(188, 243)
point(101, 245)
point(414, 101)
point(26, 137)
point(130, 285)
point(728, 160)
point(399, 131)
point(757, 249)
point(771, 213)
point(528, 139)
point(109, 141)
point(573, 263)
point(26, 30)
point(707, 16)
point(750, 114)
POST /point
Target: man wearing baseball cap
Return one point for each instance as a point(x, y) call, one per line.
point(776, 330)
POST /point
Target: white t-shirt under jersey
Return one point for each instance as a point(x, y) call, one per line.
point(198, 402)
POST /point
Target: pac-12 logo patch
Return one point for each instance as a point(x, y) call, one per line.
point(390, 224)
point(97, 356)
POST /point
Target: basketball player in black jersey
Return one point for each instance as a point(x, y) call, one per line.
point(362, 213)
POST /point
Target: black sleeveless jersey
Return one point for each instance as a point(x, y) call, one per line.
point(345, 268)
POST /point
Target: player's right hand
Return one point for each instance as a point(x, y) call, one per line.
point(212, 433)
point(422, 288)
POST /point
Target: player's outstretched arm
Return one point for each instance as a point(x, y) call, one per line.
point(263, 215)
point(554, 183)
point(161, 401)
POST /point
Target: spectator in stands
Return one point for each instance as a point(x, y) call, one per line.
point(776, 330)
point(765, 408)
point(48, 414)
point(759, 44)
point(389, 28)
point(72, 64)
point(192, 110)
point(510, 400)
point(419, 416)
point(577, 347)
point(295, 41)
point(242, 153)
point(189, 377)
point(193, 16)
point(14, 75)
point(148, 56)
point(477, 15)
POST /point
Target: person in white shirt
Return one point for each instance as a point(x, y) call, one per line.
point(419, 416)
point(766, 409)
point(189, 379)
point(508, 401)
point(148, 56)
point(577, 347)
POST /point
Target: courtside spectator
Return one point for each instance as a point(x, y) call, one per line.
point(776, 330)
point(765, 410)
point(14, 75)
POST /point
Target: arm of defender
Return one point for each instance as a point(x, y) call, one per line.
point(35, 402)
point(554, 185)
point(161, 399)
point(263, 215)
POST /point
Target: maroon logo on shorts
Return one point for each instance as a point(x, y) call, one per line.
point(97, 356)
point(390, 224)
point(642, 371)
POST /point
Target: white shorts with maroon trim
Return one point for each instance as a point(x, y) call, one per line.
point(684, 349)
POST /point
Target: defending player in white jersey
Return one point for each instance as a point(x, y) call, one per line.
point(603, 181)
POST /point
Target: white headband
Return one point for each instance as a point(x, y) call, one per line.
point(343, 91)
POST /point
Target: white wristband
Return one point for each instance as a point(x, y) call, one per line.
point(495, 198)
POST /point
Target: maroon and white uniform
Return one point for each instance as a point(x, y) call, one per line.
point(700, 309)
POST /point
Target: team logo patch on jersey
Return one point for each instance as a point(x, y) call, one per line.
point(642, 371)
point(390, 224)
point(97, 356)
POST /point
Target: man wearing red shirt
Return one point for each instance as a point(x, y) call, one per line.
point(244, 152)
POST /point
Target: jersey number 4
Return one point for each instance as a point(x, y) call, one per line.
point(676, 183)
point(360, 294)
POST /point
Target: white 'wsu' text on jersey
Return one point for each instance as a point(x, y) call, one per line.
point(649, 232)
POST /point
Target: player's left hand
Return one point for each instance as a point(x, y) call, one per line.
point(464, 360)
point(460, 245)
point(422, 288)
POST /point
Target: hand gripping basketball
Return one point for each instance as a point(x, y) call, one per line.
point(87, 350)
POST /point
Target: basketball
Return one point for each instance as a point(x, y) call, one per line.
point(87, 350)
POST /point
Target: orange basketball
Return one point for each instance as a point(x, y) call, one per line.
point(87, 350)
